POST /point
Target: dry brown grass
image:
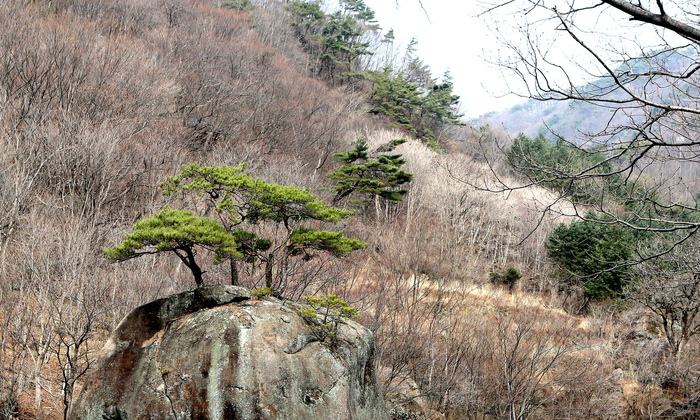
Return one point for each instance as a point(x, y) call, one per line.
point(102, 100)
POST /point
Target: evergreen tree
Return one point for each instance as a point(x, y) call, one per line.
point(370, 176)
point(336, 41)
point(394, 97)
point(325, 313)
point(239, 5)
point(179, 232)
point(439, 108)
point(342, 45)
point(307, 15)
point(360, 11)
point(240, 200)
point(304, 241)
point(389, 37)
point(554, 164)
point(417, 72)
point(595, 253)
point(308, 21)
point(509, 277)
point(421, 107)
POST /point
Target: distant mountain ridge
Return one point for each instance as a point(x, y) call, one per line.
point(568, 119)
point(573, 119)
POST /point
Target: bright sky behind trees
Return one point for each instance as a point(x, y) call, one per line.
point(451, 36)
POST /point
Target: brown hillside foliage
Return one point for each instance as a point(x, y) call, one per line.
point(100, 101)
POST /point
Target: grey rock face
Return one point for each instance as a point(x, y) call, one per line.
point(214, 353)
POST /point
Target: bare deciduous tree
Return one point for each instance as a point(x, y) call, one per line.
point(669, 286)
point(527, 354)
point(639, 61)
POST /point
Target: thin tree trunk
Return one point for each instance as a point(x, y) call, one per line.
point(268, 270)
point(37, 392)
point(377, 207)
point(196, 270)
point(234, 272)
point(284, 270)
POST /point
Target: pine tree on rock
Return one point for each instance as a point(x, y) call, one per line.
point(246, 206)
point(179, 232)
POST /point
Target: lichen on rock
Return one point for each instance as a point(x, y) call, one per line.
point(215, 353)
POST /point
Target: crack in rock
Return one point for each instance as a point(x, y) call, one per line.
point(299, 343)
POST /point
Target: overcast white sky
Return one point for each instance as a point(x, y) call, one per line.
point(451, 37)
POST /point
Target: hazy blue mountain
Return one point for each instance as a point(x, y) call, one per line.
point(574, 119)
point(566, 118)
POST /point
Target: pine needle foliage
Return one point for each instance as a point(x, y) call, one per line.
point(553, 163)
point(336, 41)
point(237, 5)
point(304, 240)
point(325, 313)
point(243, 198)
point(245, 205)
point(177, 231)
point(418, 104)
point(595, 254)
point(250, 245)
point(508, 278)
point(370, 176)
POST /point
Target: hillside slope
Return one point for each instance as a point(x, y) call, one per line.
point(102, 101)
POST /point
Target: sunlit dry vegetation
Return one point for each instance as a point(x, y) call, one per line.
point(100, 102)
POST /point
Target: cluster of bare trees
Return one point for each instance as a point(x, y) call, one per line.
point(669, 286)
point(637, 60)
point(474, 357)
point(100, 101)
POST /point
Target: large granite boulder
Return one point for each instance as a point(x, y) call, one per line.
point(216, 353)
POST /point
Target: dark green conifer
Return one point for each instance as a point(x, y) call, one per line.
point(180, 232)
point(370, 176)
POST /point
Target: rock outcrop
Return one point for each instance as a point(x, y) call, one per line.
point(216, 353)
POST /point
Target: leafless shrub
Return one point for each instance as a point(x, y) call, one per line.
point(669, 286)
point(640, 78)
